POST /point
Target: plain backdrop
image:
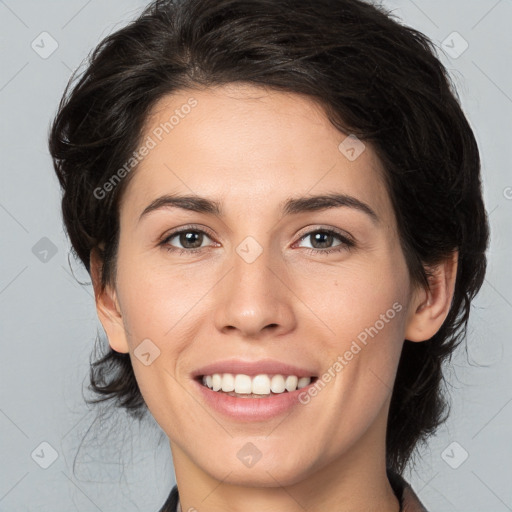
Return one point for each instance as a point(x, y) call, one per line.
point(49, 323)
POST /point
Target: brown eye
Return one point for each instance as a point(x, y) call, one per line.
point(322, 241)
point(190, 240)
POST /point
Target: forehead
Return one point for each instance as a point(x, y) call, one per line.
point(250, 145)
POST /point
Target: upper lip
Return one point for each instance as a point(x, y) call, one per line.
point(252, 368)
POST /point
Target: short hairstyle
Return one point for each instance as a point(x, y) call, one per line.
point(374, 77)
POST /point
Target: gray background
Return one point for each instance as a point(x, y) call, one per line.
point(48, 320)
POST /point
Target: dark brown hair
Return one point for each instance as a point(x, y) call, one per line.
point(374, 77)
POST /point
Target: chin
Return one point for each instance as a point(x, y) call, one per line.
point(270, 471)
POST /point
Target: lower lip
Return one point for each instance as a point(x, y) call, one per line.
point(251, 409)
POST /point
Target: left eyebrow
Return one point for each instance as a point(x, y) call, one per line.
point(290, 206)
point(324, 202)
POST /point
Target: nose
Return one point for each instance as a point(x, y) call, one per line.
point(254, 300)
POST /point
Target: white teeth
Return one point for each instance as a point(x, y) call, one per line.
point(216, 382)
point(259, 385)
point(277, 384)
point(228, 382)
point(243, 384)
point(291, 383)
point(303, 382)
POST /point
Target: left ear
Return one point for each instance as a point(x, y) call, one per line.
point(430, 307)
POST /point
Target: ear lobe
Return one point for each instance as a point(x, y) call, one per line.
point(107, 306)
point(430, 307)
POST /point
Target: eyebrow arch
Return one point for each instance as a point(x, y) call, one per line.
point(290, 206)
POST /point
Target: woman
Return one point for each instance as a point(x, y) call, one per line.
point(279, 204)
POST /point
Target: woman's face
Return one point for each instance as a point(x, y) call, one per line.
point(260, 280)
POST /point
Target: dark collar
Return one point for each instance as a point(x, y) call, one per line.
point(409, 502)
point(172, 501)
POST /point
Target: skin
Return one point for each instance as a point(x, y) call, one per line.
point(251, 148)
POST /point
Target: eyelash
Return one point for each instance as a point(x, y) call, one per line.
point(346, 243)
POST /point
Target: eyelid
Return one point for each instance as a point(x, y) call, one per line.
point(313, 229)
point(187, 227)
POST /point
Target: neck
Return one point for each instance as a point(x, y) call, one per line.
point(356, 480)
point(376, 496)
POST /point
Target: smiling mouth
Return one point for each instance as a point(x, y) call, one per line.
point(258, 386)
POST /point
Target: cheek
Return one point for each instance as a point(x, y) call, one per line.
point(157, 298)
point(364, 309)
point(355, 297)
